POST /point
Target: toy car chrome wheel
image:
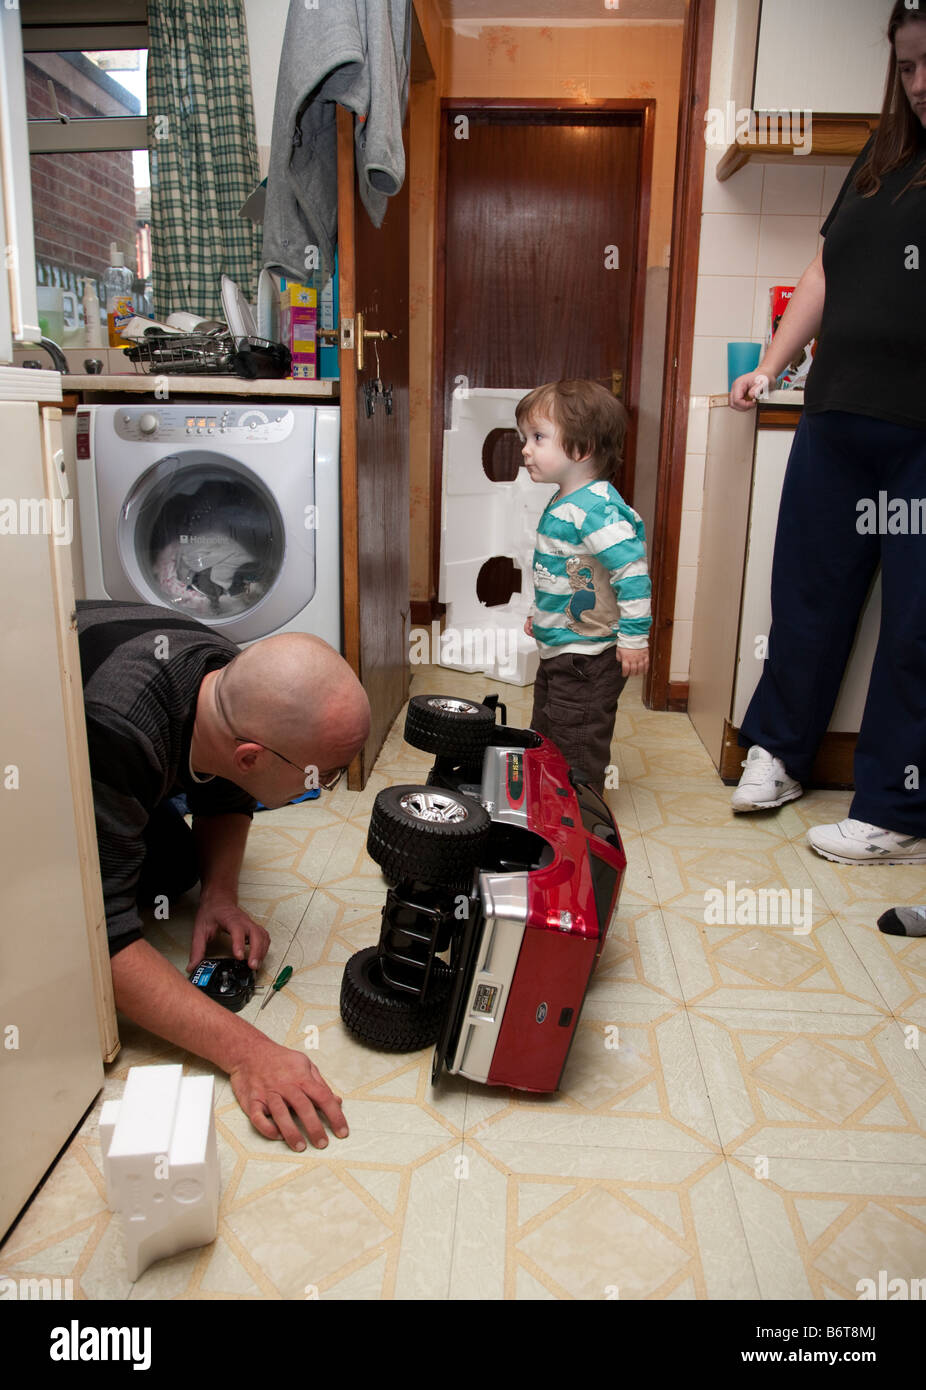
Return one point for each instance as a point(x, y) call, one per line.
point(433, 806)
point(428, 835)
point(383, 1017)
point(449, 726)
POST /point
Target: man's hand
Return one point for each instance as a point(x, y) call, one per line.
point(634, 661)
point(221, 913)
point(274, 1084)
point(269, 1081)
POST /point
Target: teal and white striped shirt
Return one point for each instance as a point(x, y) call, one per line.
point(591, 583)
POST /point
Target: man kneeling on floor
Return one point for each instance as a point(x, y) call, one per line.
point(174, 707)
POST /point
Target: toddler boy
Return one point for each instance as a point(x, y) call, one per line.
point(591, 613)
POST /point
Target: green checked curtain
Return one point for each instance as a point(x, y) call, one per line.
point(203, 154)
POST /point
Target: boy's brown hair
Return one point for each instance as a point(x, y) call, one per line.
point(589, 420)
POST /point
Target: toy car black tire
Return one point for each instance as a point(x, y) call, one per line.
point(448, 726)
point(386, 1019)
point(440, 852)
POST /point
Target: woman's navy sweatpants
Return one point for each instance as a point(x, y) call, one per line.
point(824, 564)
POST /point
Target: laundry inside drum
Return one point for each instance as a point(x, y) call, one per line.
point(209, 542)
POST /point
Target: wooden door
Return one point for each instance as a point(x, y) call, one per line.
point(373, 280)
point(546, 216)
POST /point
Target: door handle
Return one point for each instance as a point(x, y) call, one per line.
point(617, 383)
point(381, 335)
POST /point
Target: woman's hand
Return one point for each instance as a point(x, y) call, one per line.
point(746, 390)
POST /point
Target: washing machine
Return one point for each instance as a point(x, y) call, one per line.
point(228, 512)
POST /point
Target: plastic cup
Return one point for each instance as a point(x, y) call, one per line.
point(741, 358)
point(50, 301)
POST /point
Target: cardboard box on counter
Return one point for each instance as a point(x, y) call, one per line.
point(298, 324)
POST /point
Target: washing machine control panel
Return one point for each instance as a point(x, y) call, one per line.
point(225, 424)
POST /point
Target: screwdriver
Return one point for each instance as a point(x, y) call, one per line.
point(278, 984)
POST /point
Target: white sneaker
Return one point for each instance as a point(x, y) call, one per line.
point(764, 783)
point(857, 842)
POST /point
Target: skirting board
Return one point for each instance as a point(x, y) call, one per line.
point(832, 767)
point(677, 696)
point(424, 610)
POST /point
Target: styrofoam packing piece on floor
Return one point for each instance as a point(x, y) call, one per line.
point(481, 519)
point(161, 1163)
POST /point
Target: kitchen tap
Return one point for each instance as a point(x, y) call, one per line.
point(54, 352)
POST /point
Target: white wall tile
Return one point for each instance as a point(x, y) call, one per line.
point(693, 488)
point(698, 416)
point(724, 306)
point(729, 244)
point(792, 187)
point(685, 592)
point(742, 192)
point(680, 660)
point(834, 176)
point(787, 245)
point(689, 538)
point(709, 366)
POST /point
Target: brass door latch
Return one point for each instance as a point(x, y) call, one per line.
point(380, 335)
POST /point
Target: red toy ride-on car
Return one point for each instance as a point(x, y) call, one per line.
point(510, 862)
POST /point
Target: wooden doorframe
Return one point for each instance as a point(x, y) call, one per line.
point(347, 361)
point(645, 107)
point(658, 691)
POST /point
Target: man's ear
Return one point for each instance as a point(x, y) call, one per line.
point(246, 756)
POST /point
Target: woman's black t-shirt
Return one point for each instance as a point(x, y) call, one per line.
point(871, 352)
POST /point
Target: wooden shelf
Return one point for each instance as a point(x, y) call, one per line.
point(830, 135)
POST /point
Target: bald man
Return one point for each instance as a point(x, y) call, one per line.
point(174, 707)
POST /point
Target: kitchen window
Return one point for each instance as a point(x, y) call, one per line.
point(86, 104)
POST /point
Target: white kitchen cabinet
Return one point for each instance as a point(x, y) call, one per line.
point(821, 56)
point(747, 455)
point(57, 1020)
point(770, 461)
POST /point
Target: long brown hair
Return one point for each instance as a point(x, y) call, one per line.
point(899, 132)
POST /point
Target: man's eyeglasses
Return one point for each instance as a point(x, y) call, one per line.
point(326, 782)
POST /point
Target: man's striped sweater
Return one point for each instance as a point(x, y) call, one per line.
point(142, 667)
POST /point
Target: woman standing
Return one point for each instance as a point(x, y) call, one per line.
point(862, 433)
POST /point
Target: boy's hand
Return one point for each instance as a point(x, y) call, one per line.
point(529, 627)
point(634, 661)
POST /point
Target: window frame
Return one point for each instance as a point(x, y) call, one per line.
point(94, 25)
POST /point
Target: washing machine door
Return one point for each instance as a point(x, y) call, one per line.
point(202, 533)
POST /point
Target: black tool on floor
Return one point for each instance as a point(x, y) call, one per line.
point(228, 981)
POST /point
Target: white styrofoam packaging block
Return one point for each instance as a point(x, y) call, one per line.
point(160, 1162)
point(482, 519)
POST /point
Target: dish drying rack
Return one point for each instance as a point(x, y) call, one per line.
point(210, 354)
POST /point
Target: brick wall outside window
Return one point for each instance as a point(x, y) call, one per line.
point(80, 202)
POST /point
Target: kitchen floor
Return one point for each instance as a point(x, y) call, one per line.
point(744, 1108)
